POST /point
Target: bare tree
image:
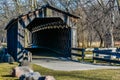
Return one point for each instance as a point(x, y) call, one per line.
point(99, 19)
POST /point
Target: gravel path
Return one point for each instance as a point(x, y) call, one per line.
point(67, 65)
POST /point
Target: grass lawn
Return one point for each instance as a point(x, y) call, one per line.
point(109, 74)
point(5, 70)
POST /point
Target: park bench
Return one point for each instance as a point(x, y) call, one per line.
point(79, 52)
point(107, 56)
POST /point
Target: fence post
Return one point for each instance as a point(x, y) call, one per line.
point(94, 55)
point(110, 57)
point(83, 54)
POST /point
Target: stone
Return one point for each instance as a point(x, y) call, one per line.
point(18, 71)
point(49, 78)
point(11, 60)
point(8, 58)
point(30, 76)
point(41, 78)
point(25, 63)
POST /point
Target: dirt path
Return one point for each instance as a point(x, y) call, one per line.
point(67, 65)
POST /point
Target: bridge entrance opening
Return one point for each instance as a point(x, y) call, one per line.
point(50, 34)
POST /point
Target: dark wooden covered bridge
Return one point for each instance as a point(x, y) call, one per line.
point(45, 28)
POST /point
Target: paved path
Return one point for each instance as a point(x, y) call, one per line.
point(66, 65)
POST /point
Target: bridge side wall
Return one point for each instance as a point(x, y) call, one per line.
point(24, 35)
point(12, 40)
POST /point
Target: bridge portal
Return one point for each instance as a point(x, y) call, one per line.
point(45, 28)
point(51, 33)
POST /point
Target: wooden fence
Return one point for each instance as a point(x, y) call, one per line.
point(107, 56)
point(78, 52)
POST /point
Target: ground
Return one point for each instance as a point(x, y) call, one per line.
point(64, 64)
point(64, 69)
point(101, 74)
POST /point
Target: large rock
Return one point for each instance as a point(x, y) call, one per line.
point(18, 71)
point(30, 76)
point(49, 78)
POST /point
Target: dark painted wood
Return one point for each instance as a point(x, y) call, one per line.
point(77, 53)
point(12, 40)
point(107, 54)
point(107, 60)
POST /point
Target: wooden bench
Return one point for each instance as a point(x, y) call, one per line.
point(107, 56)
point(78, 52)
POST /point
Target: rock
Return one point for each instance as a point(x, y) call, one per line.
point(18, 71)
point(25, 63)
point(49, 78)
point(8, 58)
point(30, 76)
point(41, 78)
point(11, 60)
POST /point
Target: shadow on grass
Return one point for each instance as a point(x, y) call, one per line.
point(7, 76)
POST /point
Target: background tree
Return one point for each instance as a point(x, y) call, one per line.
point(98, 23)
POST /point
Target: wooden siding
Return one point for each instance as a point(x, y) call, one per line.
point(67, 19)
point(12, 40)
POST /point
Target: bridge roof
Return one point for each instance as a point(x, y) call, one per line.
point(14, 20)
point(60, 11)
point(45, 22)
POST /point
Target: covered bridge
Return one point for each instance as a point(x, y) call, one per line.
point(48, 28)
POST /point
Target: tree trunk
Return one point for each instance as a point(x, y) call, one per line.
point(101, 40)
point(109, 40)
point(100, 36)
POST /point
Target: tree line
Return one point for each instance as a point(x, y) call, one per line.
point(98, 23)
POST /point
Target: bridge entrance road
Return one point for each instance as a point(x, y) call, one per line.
point(68, 65)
